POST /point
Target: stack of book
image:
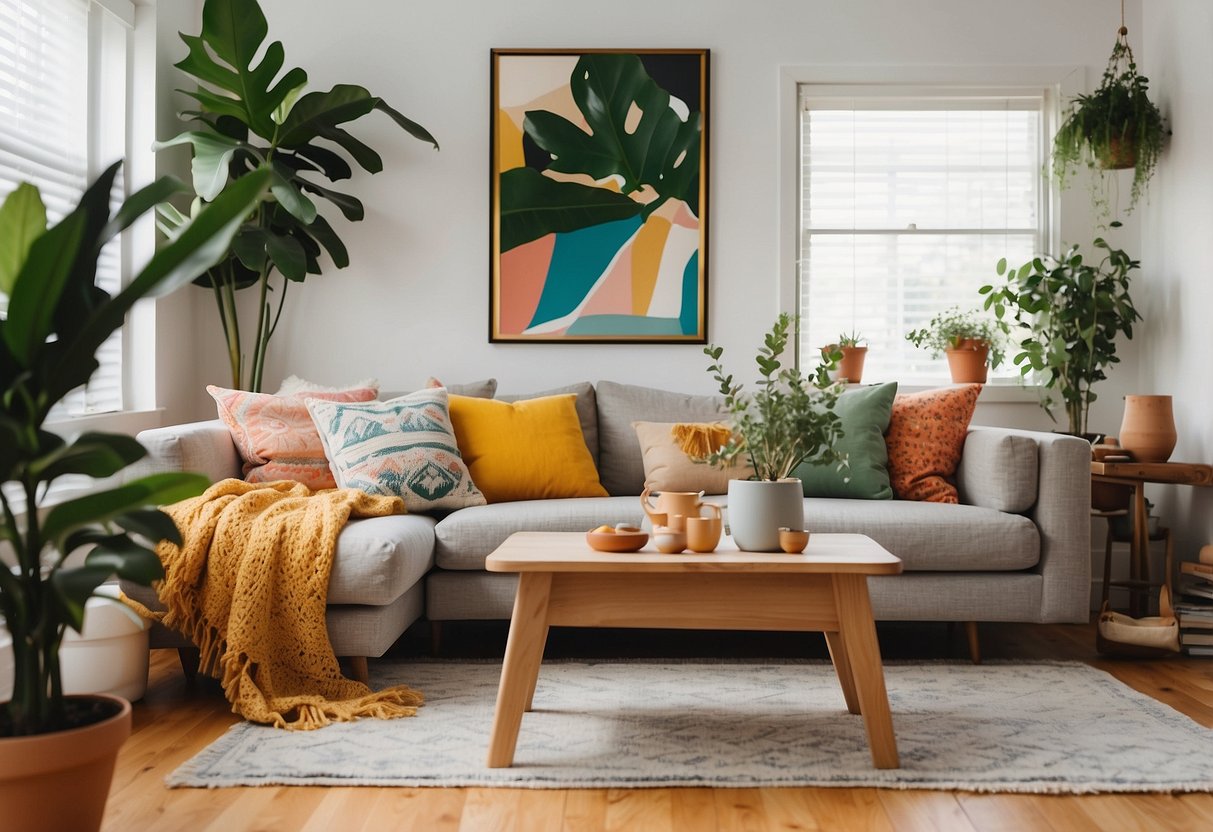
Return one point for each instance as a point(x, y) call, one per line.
point(1194, 608)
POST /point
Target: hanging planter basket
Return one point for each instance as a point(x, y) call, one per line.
point(1116, 127)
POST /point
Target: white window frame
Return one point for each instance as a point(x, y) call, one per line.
point(1059, 83)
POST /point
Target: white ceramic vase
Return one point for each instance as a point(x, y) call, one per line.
point(758, 509)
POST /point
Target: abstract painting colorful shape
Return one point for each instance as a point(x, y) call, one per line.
point(599, 195)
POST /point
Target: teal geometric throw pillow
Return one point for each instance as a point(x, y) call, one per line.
point(402, 447)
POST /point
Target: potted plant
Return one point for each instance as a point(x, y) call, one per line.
point(972, 343)
point(1114, 128)
point(248, 118)
point(1069, 313)
point(846, 356)
point(787, 420)
point(57, 753)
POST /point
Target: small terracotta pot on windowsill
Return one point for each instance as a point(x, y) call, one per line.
point(968, 361)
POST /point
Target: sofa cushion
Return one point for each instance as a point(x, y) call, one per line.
point(403, 447)
point(379, 558)
point(275, 435)
point(466, 537)
point(527, 450)
point(620, 462)
point(668, 468)
point(864, 413)
point(933, 536)
point(998, 470)
point(926, 435)
point(587, 409)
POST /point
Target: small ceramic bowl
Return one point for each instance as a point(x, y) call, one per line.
point(793, 541)
point(668, 541)
point(617, 541)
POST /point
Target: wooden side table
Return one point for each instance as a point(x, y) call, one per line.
point(1136, 475)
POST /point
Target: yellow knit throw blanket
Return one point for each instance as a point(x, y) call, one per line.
point(249, 588)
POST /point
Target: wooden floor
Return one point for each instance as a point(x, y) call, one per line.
point(176, 720)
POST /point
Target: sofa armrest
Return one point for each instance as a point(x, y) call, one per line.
point(1061, 511)
point(200, 447)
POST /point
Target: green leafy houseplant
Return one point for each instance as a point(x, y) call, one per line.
point(951, 328)
point(1070, 313)
point(787, 420)
point(251, 118)
point(57, 318)
point(1115, 127)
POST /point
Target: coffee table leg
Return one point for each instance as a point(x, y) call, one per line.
point(530, 697)
point(523, 654)
point(858, 632)
point(842, 666)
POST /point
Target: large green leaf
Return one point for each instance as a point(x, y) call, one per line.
point(73, 588)
point(92, 454)
point(99, 507)
point(212, 156)
point(126, 559)
point(533, 205)
point(39, 285)
point(140, 202)
point(150, 523)
point(660, 150)
point(22, 220)
point(235, 31)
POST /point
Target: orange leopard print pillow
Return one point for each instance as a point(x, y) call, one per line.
point(925, 437)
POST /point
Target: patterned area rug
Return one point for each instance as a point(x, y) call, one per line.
point(1044, 728)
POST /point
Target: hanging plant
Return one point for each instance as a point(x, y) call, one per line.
point(1116, 127)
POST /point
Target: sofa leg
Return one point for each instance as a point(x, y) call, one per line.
point(189, 657)
point(359, 671)
point(435, 638)
point(974, 645)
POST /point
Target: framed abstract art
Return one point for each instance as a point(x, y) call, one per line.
point(599, 169)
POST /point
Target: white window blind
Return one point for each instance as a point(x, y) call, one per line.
point(63, 119)
point(908, 199)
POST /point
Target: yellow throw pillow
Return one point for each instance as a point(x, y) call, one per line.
point(527, 450)
point(668, 468)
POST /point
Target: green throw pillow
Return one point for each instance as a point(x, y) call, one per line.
point(865, 413)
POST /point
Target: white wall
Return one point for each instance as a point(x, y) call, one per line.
point(414, 300)
point(1177, 236)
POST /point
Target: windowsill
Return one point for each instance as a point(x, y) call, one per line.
point(123, 421)
point(995, 392)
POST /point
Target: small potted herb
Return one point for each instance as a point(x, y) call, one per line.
point(846, 355)
point(788, 419)
point(971, 342)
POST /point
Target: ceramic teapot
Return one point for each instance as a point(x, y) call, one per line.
point(675, 504)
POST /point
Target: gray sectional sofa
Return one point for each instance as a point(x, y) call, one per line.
point(1017, 548)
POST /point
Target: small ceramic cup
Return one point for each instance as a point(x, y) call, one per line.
point(703, 533)
point(793, 541)
point(669, 541)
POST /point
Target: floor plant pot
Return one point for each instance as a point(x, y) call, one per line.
point(968, 361)
point(758, 509)
point(61, 780)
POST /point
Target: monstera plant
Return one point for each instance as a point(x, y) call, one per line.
point(250, 116)
point(656, 159)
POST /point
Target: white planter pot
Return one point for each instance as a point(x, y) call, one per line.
point(110, 656)
point(757, 510)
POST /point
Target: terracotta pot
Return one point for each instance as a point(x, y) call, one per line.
point(61, 780)
point(850, 367)
point(1120, 154)
point(967, 361)
point(1148, 429)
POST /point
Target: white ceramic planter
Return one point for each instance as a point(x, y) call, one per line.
point(757, 510)
point(110, 656)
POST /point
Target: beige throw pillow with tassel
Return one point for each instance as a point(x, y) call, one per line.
point(668, 468)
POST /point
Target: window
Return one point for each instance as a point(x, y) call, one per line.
point(908, 197)
point(63, 119)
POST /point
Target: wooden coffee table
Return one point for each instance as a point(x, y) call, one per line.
point(563, 582)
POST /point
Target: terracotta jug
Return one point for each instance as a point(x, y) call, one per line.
point(1148, 429)
point(672, 504)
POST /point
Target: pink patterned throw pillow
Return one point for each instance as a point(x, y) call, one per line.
point(275, 435)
